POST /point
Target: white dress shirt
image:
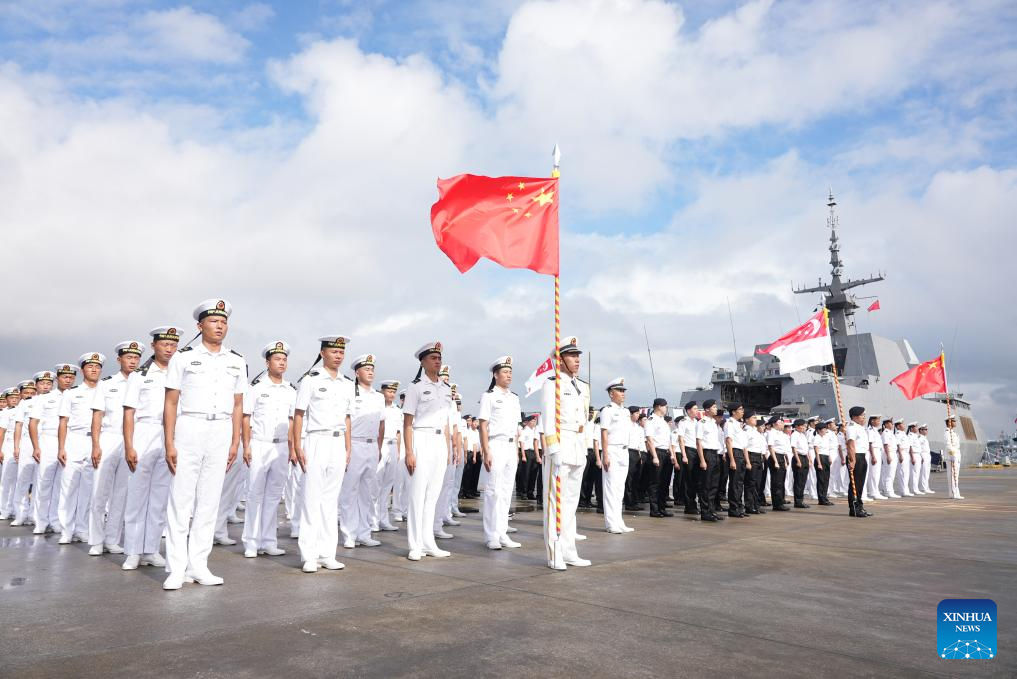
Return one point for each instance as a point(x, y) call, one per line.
point(500, 409)
point(109, 398)
point(207, 381)
point(429, 403)
point(270, 406)
point(146, 393)
point(325, 400)
point(76, 406)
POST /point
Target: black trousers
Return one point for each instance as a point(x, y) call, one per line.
point(664, 472)
point(593, 481)
point(690, 483)
point(856, 483)
point(532, 473)
point(801, 475)
point(722, 474)
point(823, 477)
point(522, 475)
point(736, 483)
point(471, 475)
point(707, 480)
point(648, 480)
point(632, 478)
point(777, 477)
point(677, 481)
point(754, 475)
point(761, 481)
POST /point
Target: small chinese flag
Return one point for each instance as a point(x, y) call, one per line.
point(874, 306)
point(510, 220)
point(924, 378)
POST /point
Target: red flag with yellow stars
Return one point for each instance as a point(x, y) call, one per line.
point(510, 220)
point(924, 378)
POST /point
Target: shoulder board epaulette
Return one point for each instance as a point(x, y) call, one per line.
point(75, 386)
point(313, 373)
point(348, 378)
point(292, 386)
point(515, 394)
point(108, 377)
point(186, 349)
point(234, 351)
point(256, 380)
point(583, 381)
point(551, 378)
point(144, 370)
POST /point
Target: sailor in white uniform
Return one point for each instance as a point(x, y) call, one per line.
point(906, 442)
point(953, 459)
point(9, 472)
point(401, 491)
point(367, 417)
point(499, 416)
point(75, 450)
point(267, 435)
point(615, 431)
point(923, 462)
point(42, 424)
point(388, 466)
point(18, 504)
point(888, 454)
point(876, 455)
point(206, 384)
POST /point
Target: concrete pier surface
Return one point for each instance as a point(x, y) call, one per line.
point(810, 593)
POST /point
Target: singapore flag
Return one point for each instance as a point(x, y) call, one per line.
point(807, 345)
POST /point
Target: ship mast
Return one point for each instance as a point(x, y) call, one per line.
point(840, 304)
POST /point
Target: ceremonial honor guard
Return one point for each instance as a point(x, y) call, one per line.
point(367, 419)
point(616, 429)
point(42, 424)
point(267, 435)
point(902, 447)
point(825, 444)
point(9, 472)
point(325, 399)
point(145, 453)
point(75, 450)
point(207, 384)
point(810, 437)
point(659, 462)
point(923, 462)
point(953, 459)
point(564, 457)
point(737, 460)
point(692, 464)
point(888, 453)
point(755, 470)
point(499, 419)
point(707, 446)
point(109, 483)
point(858, 454)
point(20, 507)
point(800, 462)
point(875, 470)
point(779, 445)
point(427, 433)
point(389, 470)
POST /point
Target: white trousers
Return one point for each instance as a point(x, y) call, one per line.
point(266, 478)
point(443, 509)
point(570, 476)
point(810, 482)
point(356, 497)
point(318, 504)
point(888, 474)
point(401, 489)
point(76, 485)
point(46, 485)
point(8, 482)
point(294, 483)
point(147, 491)
point(874, 476)
point(109, 491)
point(27, 466)
point(498, 491)
point(202, 450)
point(614, 486)
point(921, 475)
point(231, 485)
point(384, 482)
point(457, 483)
point(953, 478)
point(902, 477)
point(836, 475)
point(425, 485)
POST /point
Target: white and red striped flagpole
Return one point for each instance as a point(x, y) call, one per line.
point(556, 173)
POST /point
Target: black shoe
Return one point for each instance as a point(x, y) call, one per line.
point(764, 503)
point(801, 505)
point(752, 511)
point(760, 511)
point(720, 517)
point(668, 504)
point(664, 513)
point(709, 517)
point(585, 505)
point(600, 510)
point(655, 515)
point(782, 508)
point(826, 503)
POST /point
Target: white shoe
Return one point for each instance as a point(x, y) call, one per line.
point(15, 522)
point(907, 495)
point(310, 567)
point(627, 529)
point(615, 531)
point(387, 527)
point(204, 578)
point(458, 514)
point(3, 517)
point(225, 542)
point(113, 549)
point(437, 553)
point(415, 556)
point(930, 492)
point(451, 522)
point(958, 497)
point(510, 529)
point(553, 565)
point(895, 496)
point(173, 582)
point(442, 535)
point(78, 537)
point(294, 536)
point(65, 539)
point(234, 519)
point(397, 518)
point(250, 553)
point(131, 562)
point(153, 560)
point(494, 545)
point(349, 544)
point(375, 528)
point(272, 551)
point(95, 550)
point(576, 561)
point(368, 542)
point(38, 531)
point(510, 544)
point(332, 564)
point(580, 537)
point(881, 497)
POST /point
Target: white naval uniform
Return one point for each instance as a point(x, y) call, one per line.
point(874, 449)
point(810, 482)
point(295, 487)
point(953, 463)
point(47, 473)
point(21, 504)
point(76, 479)
point(391, 474)
point(906, 447)
point(109, 482)
point(430, 404)
point(838, 467)
point(889, 471)
point(208, 384)
point(443, 511)
point(356, 498)
point(923, 461)
point(9, 473)
point(466, 434)
point(148, 485)
point(617, 422)
point(501, 410)
point(326, 402)
point(270, 407)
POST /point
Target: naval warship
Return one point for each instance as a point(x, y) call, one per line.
point(865, 363)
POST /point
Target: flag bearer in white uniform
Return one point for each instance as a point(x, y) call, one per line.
point(207, 383)
point(388, 466)
point(428, 444)
point(145, 453)
point(499, 416)
point(109, 485)
point(367, 418)
point(324, 400)
point(268, 435)
point(564, 457)
point(923, 459)
point(888, 454)
point(953, 459)
point(42, 423)
point(9, 473)
point(615, 430)
point(75, 450)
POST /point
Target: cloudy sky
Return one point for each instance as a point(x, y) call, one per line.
point(283, 155)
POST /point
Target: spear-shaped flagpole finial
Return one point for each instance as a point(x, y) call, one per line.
point(556, 155)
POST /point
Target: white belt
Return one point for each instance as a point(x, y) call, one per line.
point(327, 432)
point(387, 441)
point(428, 430)
point(361, 439)
point(80, 432)
point(504, 439)
point(617, 445)
point(148, 420)
point(276, 440)
point(207, 416)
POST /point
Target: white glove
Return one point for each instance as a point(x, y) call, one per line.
point(554, 455)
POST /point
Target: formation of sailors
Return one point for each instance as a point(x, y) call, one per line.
point(172, 447)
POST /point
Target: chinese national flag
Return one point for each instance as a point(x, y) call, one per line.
point(924, 378)
point(510, 220)
point(874, 306)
